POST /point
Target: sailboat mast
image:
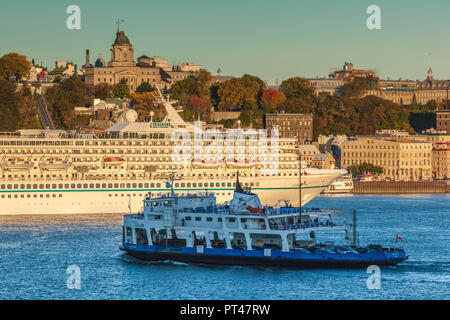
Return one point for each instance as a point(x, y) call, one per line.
point(300, 186)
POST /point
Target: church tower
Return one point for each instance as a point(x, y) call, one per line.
point(122, 52)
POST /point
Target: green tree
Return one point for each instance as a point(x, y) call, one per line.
point(145, 87)
point(297, 88)
point(121, 90)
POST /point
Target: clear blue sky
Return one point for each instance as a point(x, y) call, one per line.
point(273, 39)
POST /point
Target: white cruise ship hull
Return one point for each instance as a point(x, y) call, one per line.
point(123, 196)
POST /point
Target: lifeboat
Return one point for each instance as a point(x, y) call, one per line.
point(197, 163)
point(254, 210)
point(240, 164)
point(16, 164)
point(113, 160)
point(55, 164)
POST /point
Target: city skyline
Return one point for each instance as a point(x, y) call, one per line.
point(267, 39)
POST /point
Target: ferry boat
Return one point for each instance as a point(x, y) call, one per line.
point(194, 229)
point(341, 185)
point(65, 172)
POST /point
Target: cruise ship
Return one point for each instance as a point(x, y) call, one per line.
point(67, 172)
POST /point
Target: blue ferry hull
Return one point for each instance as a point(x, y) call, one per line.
point(277, 258)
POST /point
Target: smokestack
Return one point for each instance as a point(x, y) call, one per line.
point(87, 58)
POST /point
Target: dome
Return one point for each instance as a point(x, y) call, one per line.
point(121, 38)
point(131, 115)
point(100, 62)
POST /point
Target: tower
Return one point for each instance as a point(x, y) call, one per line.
point(87, 64)
point(122, 52)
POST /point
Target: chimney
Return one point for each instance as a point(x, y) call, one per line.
point(87, 58)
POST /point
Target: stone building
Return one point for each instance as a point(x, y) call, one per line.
point(123, 67)
point(291, 125)
point(323, 161)
point(443, 120)
point(401, 159)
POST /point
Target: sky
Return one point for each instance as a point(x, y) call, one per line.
point(272, 39)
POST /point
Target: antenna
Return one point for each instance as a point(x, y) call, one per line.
point(300, 186)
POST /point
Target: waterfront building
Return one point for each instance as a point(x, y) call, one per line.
point(401, 159)
point(441, 160)
point(291, 125)
point(323, 161)
point(308, 152)
point(123, 67)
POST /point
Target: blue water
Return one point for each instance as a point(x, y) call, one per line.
point(35, 252)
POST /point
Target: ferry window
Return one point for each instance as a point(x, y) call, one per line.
point(209, 219)
point(158, 185)
point(54, 195)
point(223, 184)
point(116, 185)
point(232, 220)
point(103, 185)
point(79, 186)
point(28, 196)
point(47, 196)
point(97, 185)
point(140, 185)
point(243, 220)
point(194, 185)
point(200, 184)
point(60, 186)
point(22, 186)
point(128, 185)
point(152, 185)
point(145, 185)
point(60, 195)
point(109, 185)
point(217, 184)
point(47, 186)
point(91, 185)
point(35, 196)
point(219, 219)
point(3, 186)
point(229, 184)
point(188, 184)
point(72, 185)
point(53, 186)
point(182, 185)
point(198, 218)
point(188, 218)
point(133, 185)
point(128, 231)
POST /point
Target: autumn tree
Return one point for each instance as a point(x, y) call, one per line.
point(271, 99)
point(103, 91)
point(297, 88)
point(14, 66)
point(238, 93)
point(144, 103)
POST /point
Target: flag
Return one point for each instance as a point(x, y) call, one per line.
point(398, 238)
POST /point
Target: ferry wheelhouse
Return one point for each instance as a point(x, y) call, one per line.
point(195, 229)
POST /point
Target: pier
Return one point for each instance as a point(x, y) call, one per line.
point(398, 187)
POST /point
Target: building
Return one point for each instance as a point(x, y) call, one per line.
point(401, 159)
point(348, 73)
point(323, 161)
point(308, 152)
point(123, 67)
point(291, 125)
point(406, 92)
point(443, 120)
point(331, 86)
point(441, 160)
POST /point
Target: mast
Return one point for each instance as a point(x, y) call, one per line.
point(354, 229)
point(300, 186)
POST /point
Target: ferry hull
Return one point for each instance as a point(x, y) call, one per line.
point(256, 258)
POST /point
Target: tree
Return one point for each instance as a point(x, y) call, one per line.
point(297, 88)
point(271, 99)
point(144, 103)
point(14, 66)
point(63, 98)
point(103, 91)
point(355, 88)
point(121, 90)
point(145, 87)
point(238, 93)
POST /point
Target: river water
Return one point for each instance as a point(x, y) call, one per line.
point(35, 252)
